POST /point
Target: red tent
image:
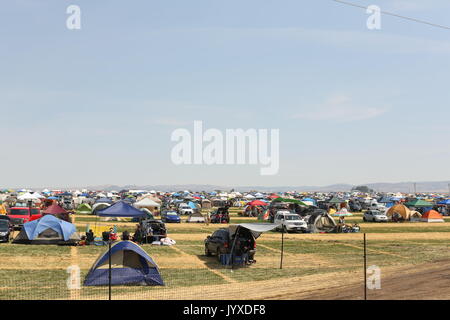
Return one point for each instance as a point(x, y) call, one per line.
point(57, 211)
point(256, 203)
point(54, 209)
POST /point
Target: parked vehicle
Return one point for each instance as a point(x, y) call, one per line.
point(290, 222)
point(185, 209)
point(170, 217)
point(377, 206)
point(20, 215)
point(220, 243)
point(5, 228)
point(220, 215)
point(354, 206)
point(150, 230)
point(375, 216)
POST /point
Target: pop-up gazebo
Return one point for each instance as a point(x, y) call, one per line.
point(120, 209)
point(256, 229)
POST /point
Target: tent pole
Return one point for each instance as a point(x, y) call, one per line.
point(96, 219)
point(109, 275)
point(282, 247)
point(232, 247)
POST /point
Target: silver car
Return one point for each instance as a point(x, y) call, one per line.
point(290, 222)
point(375, 216)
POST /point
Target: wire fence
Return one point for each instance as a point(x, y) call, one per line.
point(304, 266)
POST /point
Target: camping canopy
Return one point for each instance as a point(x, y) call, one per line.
point(335, 200)
point(446, 202)
point(257, 203)
point(28, 196)
point(419, 203)
point(120, 209)
point(256, 228)
point(290, 201)
point(130, 265)
point(145, 203)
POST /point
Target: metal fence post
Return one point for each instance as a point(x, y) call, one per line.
point(365, 268)
point(282, 247)
point(109, 269)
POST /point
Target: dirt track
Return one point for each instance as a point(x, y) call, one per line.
point(421, 282)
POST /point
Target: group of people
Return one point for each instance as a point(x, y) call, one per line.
point(342, 227)
point(107, 236)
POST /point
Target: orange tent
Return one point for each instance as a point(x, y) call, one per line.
point(432, 216)
point(399, 209)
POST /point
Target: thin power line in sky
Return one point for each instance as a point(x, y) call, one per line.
point(395, 15)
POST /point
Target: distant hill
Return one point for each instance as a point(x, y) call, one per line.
point(405, 187)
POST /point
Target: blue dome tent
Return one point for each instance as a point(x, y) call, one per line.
point(130, 265)
point(192, 205)
point(47, 230)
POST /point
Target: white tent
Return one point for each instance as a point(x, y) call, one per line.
point(38, 195)
point(28, 196)
point(145, 203)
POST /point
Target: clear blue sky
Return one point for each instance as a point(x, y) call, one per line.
point(98, 105)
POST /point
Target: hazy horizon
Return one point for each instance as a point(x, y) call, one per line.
point(404, 187)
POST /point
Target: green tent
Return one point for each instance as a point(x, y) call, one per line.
point(336, 200)
point(84, 208)
point(419, 203)
point(290, 201)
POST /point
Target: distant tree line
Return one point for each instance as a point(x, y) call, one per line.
point(365, 189)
